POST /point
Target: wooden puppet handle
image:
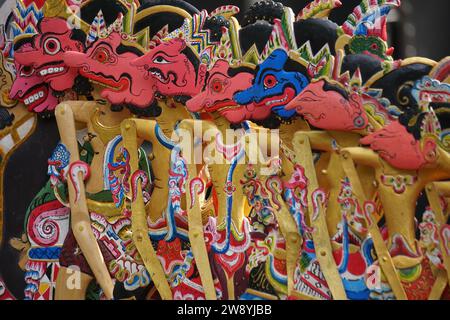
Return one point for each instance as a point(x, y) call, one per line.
point(384, 257)
point(139, 225)
point(320, 235)
point(80, 218)
point(434, 191)
point(196, 234)
point(288, 228)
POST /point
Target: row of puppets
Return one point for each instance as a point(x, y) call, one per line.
point(100, 196)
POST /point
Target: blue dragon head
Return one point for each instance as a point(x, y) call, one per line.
point(273, 86)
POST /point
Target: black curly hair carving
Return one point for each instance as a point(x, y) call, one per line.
point(266, 10)
point(216, 24)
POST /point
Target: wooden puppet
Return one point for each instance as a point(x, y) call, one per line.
point(280, 77)
point(105, 63)
point(216, 100)
point(403, 166)
point(31, 134)
point(172, 223)
point(227, 172)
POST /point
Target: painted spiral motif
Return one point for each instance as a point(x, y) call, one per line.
point(45, 223)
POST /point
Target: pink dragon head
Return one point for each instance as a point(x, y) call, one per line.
point(44, 53)
point(29, 88)
point(108, 62)
point(400, 148)
point(222, 83)
point(330, 107)
point(176, 69)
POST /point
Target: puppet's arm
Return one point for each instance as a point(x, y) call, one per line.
point(139, 224)
point(367, 157)
point(80, 219)
point(434, 192)
point(196, 235)
point(304, 157)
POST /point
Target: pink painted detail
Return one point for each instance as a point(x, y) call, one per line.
point(400, 247)
point(229, 188)
point(397, 146)
point(30, 89)
point(47, 224)
point(330, 110)
point(398, 183)
point(234, 258)
point(120, 185)
point(74, 169)
point(319, 198)
point(141, 176)
point(429, 238)
point(123, 82)
point(351, 208)
point(275, 187)
point(442, 70)
point(4, 292)
point(370, 208)
point(35, 271)
point(196, 187)
point(175, 75)
point(298, 183)
point(46, 53)
point(210, 232)
point(226, 9)
point(317, 6)
point(445, 235)
point(228, 151)
point(218, 95)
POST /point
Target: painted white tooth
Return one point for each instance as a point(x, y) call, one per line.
point(31, 99)
point(43, 72)
point(41, 94)
point(55, 70)
point(36, 96)
point(50, 70)
point(27, 102)
point(61, 69)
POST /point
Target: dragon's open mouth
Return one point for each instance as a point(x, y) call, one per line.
point(284, 98)
point(159, 75)
point(35, 96)
point(223, 105)
point(109, 82)
point(53, 69)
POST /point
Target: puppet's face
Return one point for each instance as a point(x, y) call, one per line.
point(273, 87)
point(172, 66)
point(398, 147)
point(108, 63)
point(45, 53)
point(326, 107)
point(30, 89)
point(218, 95)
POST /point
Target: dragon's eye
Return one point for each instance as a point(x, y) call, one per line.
point(270, 81)
point(52, 46)
point(26, 71)
point(160, 60)
point(374, 46)
point(216, 85)
point(101, 55)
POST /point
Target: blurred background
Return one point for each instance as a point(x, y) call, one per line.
point(418, 28)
